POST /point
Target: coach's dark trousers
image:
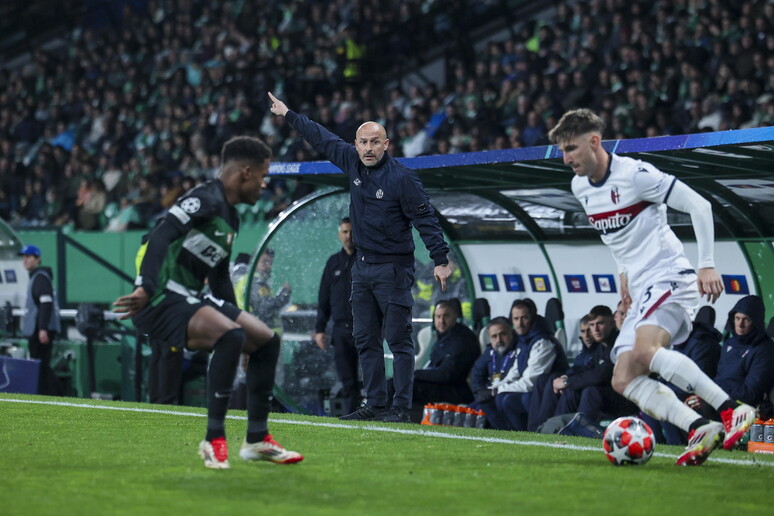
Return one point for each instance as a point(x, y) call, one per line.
point(381, 309)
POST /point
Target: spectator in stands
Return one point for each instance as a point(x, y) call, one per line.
point(92, 203)
point(746, 366)
point(142, 102)
point(445, 377)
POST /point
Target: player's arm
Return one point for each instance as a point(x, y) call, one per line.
point(147, 279)
point(416, 206)
point(158, 243)
point(323, 306)
point(683, 198)
point(220, 282)
point(167, 231)
point(655, 186)
point(340, 153)
point(43, 293)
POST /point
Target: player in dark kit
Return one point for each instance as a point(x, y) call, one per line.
point(191, 247)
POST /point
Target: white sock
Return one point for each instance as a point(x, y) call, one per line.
point(657, 400)
point(678, 369)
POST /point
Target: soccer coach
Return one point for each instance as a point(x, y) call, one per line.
point(386, 200)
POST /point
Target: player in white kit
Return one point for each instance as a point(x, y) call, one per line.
point(626, 201)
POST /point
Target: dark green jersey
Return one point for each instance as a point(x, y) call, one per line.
point(192, 244)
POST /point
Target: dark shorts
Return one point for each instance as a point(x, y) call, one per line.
point(168, 320)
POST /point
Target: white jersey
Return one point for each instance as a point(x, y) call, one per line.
point(627, 209)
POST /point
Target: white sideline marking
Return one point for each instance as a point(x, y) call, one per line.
point(406, 431)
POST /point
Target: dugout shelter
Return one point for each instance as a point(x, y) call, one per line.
point(517, 231)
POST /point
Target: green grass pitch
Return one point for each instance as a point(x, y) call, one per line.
point(84, 457)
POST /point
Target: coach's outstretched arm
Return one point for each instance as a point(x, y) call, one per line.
point(338, 152)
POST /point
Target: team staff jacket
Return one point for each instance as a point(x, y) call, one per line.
point(489, 364)
point(537, 352)
point(386, 200)
point(703, 347)
point(452, 357)
point(746, 366)
point(192, 244)
point(335, 291)
point(598, 371)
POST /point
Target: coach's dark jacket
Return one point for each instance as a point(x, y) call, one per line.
point(386, 200)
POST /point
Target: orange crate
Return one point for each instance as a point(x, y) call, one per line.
point(760, 447)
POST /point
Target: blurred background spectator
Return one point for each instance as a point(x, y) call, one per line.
point(106, 107)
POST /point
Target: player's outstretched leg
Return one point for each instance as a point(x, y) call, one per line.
point(701, 442)
point(678, 369)
point(659, 401)
point(259, 444)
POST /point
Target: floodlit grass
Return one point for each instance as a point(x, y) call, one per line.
point(79, 460)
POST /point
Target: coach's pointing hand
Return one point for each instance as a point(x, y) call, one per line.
point(277, 106)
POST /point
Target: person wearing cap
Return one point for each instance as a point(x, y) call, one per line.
point(41, 322)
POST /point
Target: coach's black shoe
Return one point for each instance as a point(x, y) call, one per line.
point(397, 415)
point(366, 413)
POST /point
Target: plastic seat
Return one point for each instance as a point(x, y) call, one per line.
point(483, 338)
point(425, 341)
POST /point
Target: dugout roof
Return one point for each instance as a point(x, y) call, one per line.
point(524, 194)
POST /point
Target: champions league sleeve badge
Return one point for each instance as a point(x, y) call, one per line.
point(191, 205)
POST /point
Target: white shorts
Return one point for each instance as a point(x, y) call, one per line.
point(669, 305)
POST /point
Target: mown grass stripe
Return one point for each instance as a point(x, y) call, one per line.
point(406, 431)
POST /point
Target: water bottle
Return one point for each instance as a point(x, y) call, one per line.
point(756, 431)
point(448, 415)
point(470, 418)
point(427, 415)
point(436, 415)
point(459, 416)
point(480, 419)
point(768, 432)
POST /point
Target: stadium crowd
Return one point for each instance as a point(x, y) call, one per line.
point(106, 133)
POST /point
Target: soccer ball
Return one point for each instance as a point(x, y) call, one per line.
point(628, 440)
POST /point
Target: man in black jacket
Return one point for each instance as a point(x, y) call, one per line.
point(445, 378)
point(386, 200)
point(41, 322)
point(333, 304)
